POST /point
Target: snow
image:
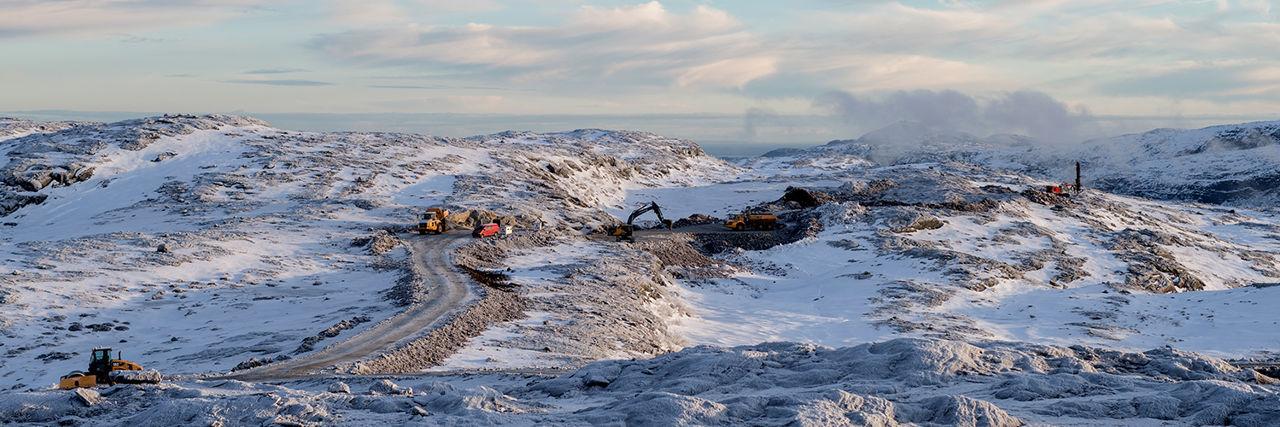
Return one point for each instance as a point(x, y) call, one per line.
point(936, 291)
point(429, 192)
point(908, 381)
point(813, 291)
point(257, 222)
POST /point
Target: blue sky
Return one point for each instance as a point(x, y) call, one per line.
point(764, 70)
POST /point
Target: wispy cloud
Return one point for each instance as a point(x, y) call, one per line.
point(774, 59)
point(644, 43)
point(280, 82)
point(24, 18)
point(276, 71)
point(132, 38)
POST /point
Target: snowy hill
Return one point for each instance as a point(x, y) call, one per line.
point(175, 235)
point(1230, 164)
point(268, 275)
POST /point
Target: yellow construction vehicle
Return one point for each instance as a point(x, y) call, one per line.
point(752, 221)
point(626, 232)
point(107, 371)
point(434, 221)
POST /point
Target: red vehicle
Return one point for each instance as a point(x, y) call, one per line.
point(487, 230)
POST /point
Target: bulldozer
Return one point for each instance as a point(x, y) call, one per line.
point(752, 221)
point(626, 232)
point(434, 221)
point(104, 370)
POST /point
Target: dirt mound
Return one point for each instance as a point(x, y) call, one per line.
point(379, 243)
point(804, 198)
point(696, 219)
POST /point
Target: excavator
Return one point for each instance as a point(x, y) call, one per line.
point(626, 232)
point(103, 370)
point(434, 221)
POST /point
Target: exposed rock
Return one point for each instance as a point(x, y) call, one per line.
point(387, 387)
point(1151, 266)
point(55, 355)
point(254, 362)
point(86, 397)
point(309, 343)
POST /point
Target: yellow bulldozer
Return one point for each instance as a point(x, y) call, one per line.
point(752, 221)
point(104, 370)
point(434, 221)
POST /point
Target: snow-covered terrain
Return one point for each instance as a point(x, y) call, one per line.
point(923, 277)
point(1227, 164)
point(196, 243)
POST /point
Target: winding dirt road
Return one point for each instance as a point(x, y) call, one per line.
point(448, 291)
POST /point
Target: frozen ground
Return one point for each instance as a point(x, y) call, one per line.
point(934, 286)
point(194, 244)
point(903, 381)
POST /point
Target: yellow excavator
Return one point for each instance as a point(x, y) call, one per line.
point(103, 370)
point(434, 221)
point(626, 232)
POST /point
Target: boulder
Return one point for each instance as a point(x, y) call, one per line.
point(86, 397)
point(385, 386)
point(340, 387)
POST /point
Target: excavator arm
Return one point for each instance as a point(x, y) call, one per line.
point(625, 232)
point(652, 206)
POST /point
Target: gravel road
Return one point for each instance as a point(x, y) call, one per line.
point(431, 260)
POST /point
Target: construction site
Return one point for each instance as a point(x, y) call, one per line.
point(217, 270)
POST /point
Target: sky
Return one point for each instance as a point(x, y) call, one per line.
point(740, 72)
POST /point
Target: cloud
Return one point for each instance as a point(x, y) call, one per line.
point(636, 44)
point(276, 71)
point(1026, 112)
point(1103, 52)
point(24, 18)
point(280, 82)
point(1222, 82)
point(131, 38)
